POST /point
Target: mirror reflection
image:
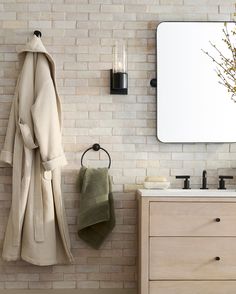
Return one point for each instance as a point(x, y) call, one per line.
point(193, 104)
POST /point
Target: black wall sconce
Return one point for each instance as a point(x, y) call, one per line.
point(118, 74)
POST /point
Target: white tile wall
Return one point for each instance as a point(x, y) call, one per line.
point(79, 34)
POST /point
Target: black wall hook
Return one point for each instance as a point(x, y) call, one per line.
point(96, 147)
point(38, 34)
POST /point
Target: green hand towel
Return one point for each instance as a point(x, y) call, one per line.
point(96, 217)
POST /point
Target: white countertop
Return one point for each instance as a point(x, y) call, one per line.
point(186, 193)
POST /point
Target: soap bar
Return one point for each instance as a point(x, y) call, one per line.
point(155, 179)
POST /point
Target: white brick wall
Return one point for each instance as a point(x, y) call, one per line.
point(79, 34)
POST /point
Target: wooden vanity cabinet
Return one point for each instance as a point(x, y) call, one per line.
point(187, 245)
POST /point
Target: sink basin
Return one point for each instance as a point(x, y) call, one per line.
point(186, 193)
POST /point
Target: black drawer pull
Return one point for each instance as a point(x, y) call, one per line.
point(217, 219)
point(217, 258)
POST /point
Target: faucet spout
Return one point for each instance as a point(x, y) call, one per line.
point(204, 180)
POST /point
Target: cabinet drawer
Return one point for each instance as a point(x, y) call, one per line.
point(192, 258)
point(193, 287)
point(192, 219)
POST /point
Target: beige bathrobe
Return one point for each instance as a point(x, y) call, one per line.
point(37, 230)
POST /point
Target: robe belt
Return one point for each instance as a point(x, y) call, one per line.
point(16, 191)
point(38, 217)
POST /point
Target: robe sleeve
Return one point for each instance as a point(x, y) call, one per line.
point(46, 117)
point(8, 148)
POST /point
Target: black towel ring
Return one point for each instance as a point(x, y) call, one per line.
point(96, 147)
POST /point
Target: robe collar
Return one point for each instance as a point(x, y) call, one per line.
point(35, 45)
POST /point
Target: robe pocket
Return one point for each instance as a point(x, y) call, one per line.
point(27, 135)
point(47, 175)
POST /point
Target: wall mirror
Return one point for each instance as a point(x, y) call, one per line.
point(192, 106)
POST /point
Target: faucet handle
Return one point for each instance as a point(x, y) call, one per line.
point(226, 177)
point(186, 181)
point(222, 181)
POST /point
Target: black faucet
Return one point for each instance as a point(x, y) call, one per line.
point(204, 180)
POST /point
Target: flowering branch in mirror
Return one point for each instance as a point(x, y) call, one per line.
point(226, 66)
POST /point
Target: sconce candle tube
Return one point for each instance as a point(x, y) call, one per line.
point(119, 75)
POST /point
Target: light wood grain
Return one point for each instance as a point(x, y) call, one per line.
point(143, 245)
point(180, 257)
point(223, 199)
point(193, 287)
point(183, 258)
point(192, 219)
